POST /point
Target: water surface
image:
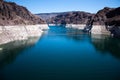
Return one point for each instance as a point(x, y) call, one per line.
point(62, 54)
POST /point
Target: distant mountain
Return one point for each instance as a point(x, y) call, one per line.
point(46, 16)
point(13, 14)
point(73, 17)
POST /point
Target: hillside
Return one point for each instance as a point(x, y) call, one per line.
point(13, 14)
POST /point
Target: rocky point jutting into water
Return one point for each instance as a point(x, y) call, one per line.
point(17, 23)
point(97, 23)
point(106, 21)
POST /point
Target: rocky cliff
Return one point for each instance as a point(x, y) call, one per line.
point(106, 21)
point(97, 24)
point(17, 23)
point(13, 14)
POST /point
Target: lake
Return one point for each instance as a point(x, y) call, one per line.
point(61, 54)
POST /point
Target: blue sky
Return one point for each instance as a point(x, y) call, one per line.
point(47, 6)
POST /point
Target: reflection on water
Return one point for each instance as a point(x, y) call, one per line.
point(102, 43)
point(74, 34)
point(77, 35)
point(9, 51)
point(61, 54)
point(106, 44)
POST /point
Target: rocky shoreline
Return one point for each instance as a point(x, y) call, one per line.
point(96, 29)
point(99, 29)
point(20, 32)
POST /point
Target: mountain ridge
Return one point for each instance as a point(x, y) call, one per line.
point(64, 16)
point(13, 14)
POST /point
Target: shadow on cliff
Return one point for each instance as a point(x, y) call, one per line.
point(106, 44)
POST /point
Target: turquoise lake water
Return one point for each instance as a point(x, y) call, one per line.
point(61, 54)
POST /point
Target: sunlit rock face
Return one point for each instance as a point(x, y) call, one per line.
point(13, 33)
point(100, 29)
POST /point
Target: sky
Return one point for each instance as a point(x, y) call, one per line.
point(48, 6)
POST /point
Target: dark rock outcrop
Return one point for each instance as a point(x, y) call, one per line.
point(107, 20)
point(13, 14)
point(100, 17)
point(113, 21)
point(113, 17)
point(97, 24)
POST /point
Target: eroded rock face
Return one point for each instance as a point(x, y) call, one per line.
point(13, 14)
